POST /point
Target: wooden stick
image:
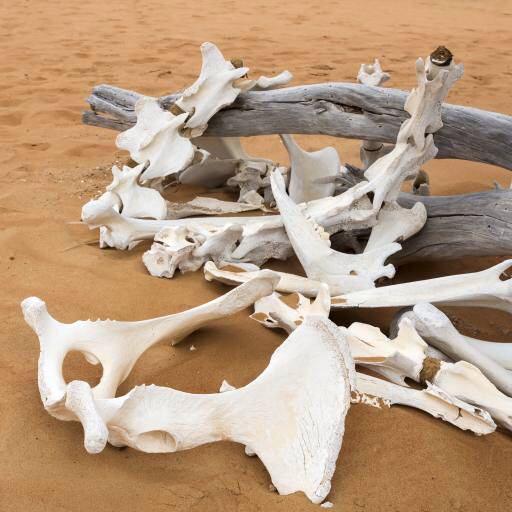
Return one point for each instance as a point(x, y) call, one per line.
point(353, 111)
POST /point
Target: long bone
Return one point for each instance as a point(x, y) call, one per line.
point(117, 345)
point(312, 248)
point(207, 206)
point(476, 289)
point(432, 400)
point(308, 169)
point(435, 327)
point(292, 415)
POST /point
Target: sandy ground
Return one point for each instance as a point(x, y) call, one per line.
point(52, 54)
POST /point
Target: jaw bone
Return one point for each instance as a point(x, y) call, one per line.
point(294, 425)
point(130, 198)
point(478, 289)
point(118, 345)
point(320, 262)
point(308, 170)
point(213, 90)
point(156, 139)
point(435, 327)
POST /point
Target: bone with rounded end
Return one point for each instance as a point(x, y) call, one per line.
point(308, 170)
point(477, 289)
point(214, 89)
point(435, 327)
point(294, 425)
point(155, 138)
point(433, 400)
point(118, 345)
point(268, 82)
point(396, 224)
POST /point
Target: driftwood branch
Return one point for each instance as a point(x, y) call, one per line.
point(339, 109)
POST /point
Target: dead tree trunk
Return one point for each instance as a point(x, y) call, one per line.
point(339, 109)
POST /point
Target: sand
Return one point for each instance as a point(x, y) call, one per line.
point(52, 54)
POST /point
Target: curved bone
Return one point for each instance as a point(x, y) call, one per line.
point(209, 173)
point(273, 312)
point(265, 82)
point(466, 382)
point(299, 449)
point(319, 261)
point(118, 345)
point(155, 138)
point(132, 199)
point(212, 91)
point(435, 327)
point(433, 400)
point(396, 224)
point(308, 169)
point(477, 289)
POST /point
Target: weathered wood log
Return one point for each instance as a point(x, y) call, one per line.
point(339, 109)
point(477, 224)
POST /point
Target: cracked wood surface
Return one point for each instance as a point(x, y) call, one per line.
point(338, 109)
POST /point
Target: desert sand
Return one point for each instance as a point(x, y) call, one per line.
point(52, 54)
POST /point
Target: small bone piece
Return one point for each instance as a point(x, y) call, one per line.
point(132, 199)
point(320, 262)
point(396, 224)
point(433, 400)
point(435, 327)
point(477, 289)
point(372, 74)
point(213, 90)
point(308, 169)
point(118, 345)
point(295, 424)
point(265, 82)
point(156, 139)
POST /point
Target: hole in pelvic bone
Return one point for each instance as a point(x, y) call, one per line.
point(507, 274)
point(81, 366)
point(156, 441)
point(232, 268)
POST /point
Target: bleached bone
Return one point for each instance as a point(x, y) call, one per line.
point(295, 425)
point(308, 169)
point(320, 262)
point(130, 198)
point(249, 177)
point(477, 289)
point(370, 151)
point(272, 311)
point(212, 91)
point(209, 172)
point(265, 82)
point(372, 74)
point(207, 206)
point(118, 345)
point(396, 224)
point(433, 400)
point(156, 139)
point(413, 146)
point(466, 382)
point(189, 247)
point(435, 327)
point(223, 148)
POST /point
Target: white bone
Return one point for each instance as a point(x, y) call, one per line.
point(466, 382)
point(435, 327)
point(308, 169)
point(118, 345)
point(133, 199)
point(273, 312)
point(295, 425)
point(433, 400)
point(372, 74)
point(213, 90)
point(478, 289)
point(155, 138)
point(224, 148)
point(207, 206)
point(266, 82)
point(320, 262)
point(209, 172)
point(396, 224)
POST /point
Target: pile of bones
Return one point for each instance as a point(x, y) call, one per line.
point(311, 378)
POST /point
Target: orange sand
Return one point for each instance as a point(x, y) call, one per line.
point(52, 54)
